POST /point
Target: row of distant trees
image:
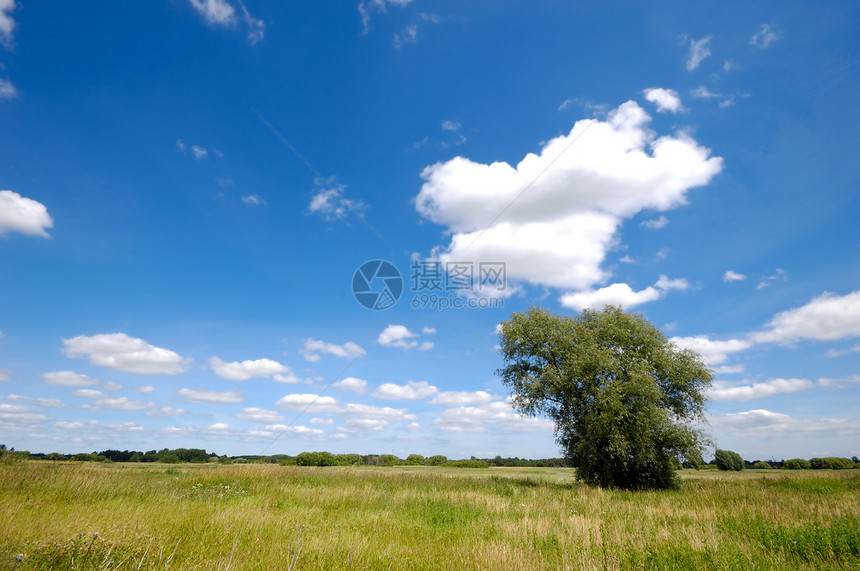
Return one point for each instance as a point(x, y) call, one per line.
point(732, 461)
point(199, 455)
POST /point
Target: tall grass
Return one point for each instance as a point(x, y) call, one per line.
point(126, 516)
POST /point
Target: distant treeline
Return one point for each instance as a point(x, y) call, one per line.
point(199, 455)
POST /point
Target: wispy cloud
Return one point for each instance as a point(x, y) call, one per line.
point(764, 37)
point(698, 52)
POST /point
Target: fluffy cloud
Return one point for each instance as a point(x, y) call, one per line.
point(462, 398)
point(244, 370)
point(622, 294)
point(473, 419)
point(308, 402)
point(826, 317)
point(313, 348)
point(655, 224)
point(24, 215)
point(367, 7)
point(764, 422)
point(712, 351)
point(732, 276)
point(723, 391)
point(38, 401)
point(410, 391)
point(554, 216)
point(400, 336)
point(120, 352)
point(260, 415)
point(120, 403)
point(13, 415)
point(214, 397)
point(222, 13)
point(664, 99)
point(698, 51)
point(68, 379)
point(352, 384)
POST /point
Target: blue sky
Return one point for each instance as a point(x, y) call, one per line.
point(187, 188)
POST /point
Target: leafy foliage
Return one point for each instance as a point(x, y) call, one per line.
point(831, 463)
point(728, 460)
point(797, 464)
point(762, 465)
point(623, 398)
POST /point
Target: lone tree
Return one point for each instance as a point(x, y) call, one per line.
point(625, 400)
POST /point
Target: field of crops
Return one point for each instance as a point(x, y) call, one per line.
point(58, 515)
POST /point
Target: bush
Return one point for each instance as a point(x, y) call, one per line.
point(796, 464)
point(467, 464)
point(831, 463)
point(415, 459)
point(316, 459)
point(761, 465)
point(437, 460)
point(728, 460)
point(347, 459)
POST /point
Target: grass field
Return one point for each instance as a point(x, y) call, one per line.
point(255, 516)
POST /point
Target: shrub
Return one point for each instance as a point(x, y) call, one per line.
point(466, 464)
point(347, 459)
point(437, 460)
point(831, 463)
point(796, 464)
point(728, 460)
point(316, 459)
point(761, 465)
point(415, 459)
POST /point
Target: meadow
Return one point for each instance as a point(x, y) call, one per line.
point(81, 515)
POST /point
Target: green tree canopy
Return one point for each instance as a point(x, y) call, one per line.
point(625, 401)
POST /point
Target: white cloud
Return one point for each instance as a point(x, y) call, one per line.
point(7, 89)
point(68, 379)
point(474, 419)
point(664, 99)
point(199, 152)
point(161, 411)
point(410, 391)
point(655, 224)
point(38, 401)
point(120, 403)
point(24, 215)
point(12, 415)
point(841, 352)
point(218, 12)
point(256, 28)
point(253, 200)
point(5, 375)
point(724, 391)
point(313, 348)
point(7, 23)
point(145, 390)
point(215, 397)
point(352, 384)
point(307, 402)
point(703, 92)
point(764, 37)
point(400, 336)
point(321, 421)
point(244, 370)
point(825, 318)
point(331, 202)
point(112, 386)
point(713, 352)
point(260, 415)
point(366, 7)
point(622, 294)
point(66, 425)
point(120, 352)
point(218, 427)
point(732, 276)
point(762, 423)
point(698, 51)
point(554, 216)
point(462, 398)
point(88, 393)
point(408, 35)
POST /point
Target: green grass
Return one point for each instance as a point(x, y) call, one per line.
point(132, 516)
